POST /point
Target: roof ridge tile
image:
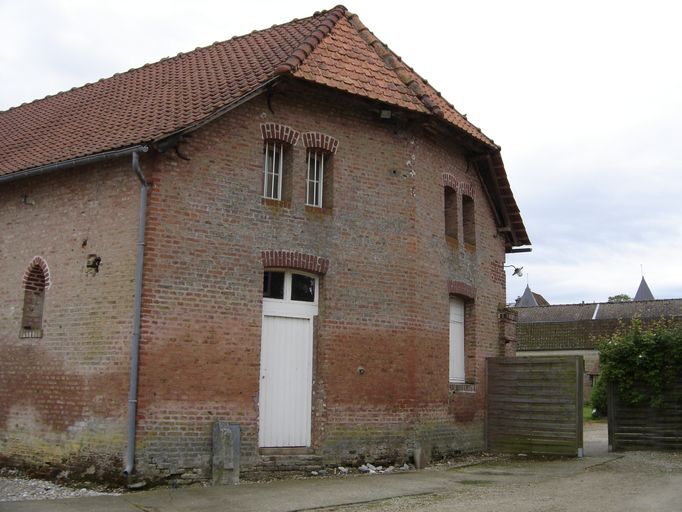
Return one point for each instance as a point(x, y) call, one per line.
point(394, 63)
point(309, 44)
point(389, 57)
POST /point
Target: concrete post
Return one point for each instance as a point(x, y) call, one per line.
point(226, 446)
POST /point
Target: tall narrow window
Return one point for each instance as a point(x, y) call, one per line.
point(468, 221)
point(456, 340)
point(315, 178)
point(320, 172)
point(450, 210)
point(34, 299)
point(272, 171)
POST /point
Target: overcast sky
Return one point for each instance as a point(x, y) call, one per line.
point(585, 99)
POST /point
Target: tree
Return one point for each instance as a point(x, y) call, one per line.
point(621, 297)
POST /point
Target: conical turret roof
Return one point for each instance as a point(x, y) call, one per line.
point(643, 292)
point(527, 299)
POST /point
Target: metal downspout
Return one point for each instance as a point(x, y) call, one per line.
point(137, 310)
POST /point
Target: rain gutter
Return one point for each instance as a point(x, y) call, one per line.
point(137, 314)
point(68, 164)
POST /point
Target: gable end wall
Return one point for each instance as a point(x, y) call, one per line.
point(384, 297)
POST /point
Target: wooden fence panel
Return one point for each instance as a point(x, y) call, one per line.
point(643, 427)
point(534, 405)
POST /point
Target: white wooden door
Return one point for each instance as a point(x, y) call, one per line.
point(456, 340)
point(286, 381)
point(286, 362)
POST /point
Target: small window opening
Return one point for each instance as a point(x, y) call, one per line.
point(450, 208)
point(468, 221)
point(289, 286)
point(273, 285)
point(302, 288)
point(315, 178)
point(34, 302)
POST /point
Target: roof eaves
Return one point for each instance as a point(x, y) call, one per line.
point(73, 162)
point(142, 146)
point(512, 212)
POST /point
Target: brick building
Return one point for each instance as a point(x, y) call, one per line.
point(289, 231)
point(577, 329)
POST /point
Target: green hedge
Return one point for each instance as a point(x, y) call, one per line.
point(637, 355)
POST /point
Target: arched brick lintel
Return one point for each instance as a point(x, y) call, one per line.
point(465, 189)
point(37, 261)
point(462, 289)
point(295, 260)
point(280, 133)
point(316, 140)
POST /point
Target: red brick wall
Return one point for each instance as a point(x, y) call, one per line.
point(63, 396)
point(384, 298)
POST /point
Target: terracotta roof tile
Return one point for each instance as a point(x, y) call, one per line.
point(343, 61)
point(331, 48)
point(146, 103)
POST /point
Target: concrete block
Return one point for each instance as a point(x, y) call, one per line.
point(226, 446)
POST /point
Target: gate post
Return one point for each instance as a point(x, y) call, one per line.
point(611, 413)
point(486, 412)
point(580, 375)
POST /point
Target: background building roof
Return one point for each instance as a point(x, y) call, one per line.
point(643, 292)
point(581, 326)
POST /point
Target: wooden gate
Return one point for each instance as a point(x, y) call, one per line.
point(534, 405)
point(643, 427)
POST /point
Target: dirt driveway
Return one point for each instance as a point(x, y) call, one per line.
point(633, 481)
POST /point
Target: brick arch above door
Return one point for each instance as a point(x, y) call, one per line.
point(295, 260)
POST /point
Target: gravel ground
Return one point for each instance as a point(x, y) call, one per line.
point(634, 481)
point(14, 486)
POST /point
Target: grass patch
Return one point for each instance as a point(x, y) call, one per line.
point(587, 415)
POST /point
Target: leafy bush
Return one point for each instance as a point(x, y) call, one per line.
point(637, 356)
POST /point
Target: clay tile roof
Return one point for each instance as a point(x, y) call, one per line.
point(148, 103)
point(644, 309)
point(331, 48)
point(556, 313)
point(582, 326)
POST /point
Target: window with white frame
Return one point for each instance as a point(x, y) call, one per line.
point(315, 180)
point(456, 371)
point(289, 286)
point(273, 170)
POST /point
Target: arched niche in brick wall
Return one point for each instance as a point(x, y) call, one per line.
point(35, 281)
